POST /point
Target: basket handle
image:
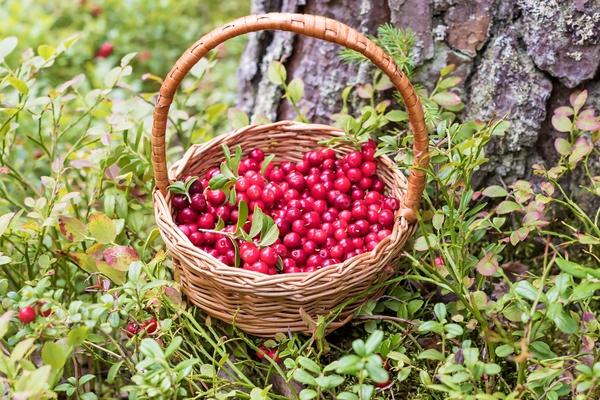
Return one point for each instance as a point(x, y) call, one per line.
point(309, 25)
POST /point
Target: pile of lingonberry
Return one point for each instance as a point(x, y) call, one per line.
point(289, 217)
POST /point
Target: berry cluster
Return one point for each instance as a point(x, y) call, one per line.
point(28, 314)
point(311, 214)
point(150, 326)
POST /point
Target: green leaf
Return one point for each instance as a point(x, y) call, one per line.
point(54, 354)
point(120, 257)
point(346, 364)
point(431, 354)
point(562, 319)
point(488, 265)
point(7, 45)
point(307, 394)
point(377, 373)
point(446, 99)
point(491, 369)
point(295, 90)
point(309, 365)
point(277, 73)
point(494, 191)
point(238, 118)
point(102, 228)
point(504, 350)
point(421, 242)
point(218, 181)
point(396, 116)
point(72, 229)
point(18, 84)
point(431, 326)
point(440, 311)
point(304, 377)
point(151, 349)
point(46, 51)
point(562, 146)
point(5, 221)
point(347, 396)
point(268, 159)
point(329, 381)
point(242, 215)
point(561, 123)
point(373, 342)
point(500, 128)
point(257, 222)
point(572, 268)
point(526, 290)
point(449, 82)
point(77, 335)
point(454, 330)
point(507, 206)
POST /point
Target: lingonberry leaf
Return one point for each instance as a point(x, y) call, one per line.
point(270, 236)
point(220, 224)
point(179, 187)
point(268, 159)
point(257, 222)
point(72, 228)
point(102, 228)
point(217, 182)
point(242, 216)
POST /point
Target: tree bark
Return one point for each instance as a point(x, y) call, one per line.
point(519, 58)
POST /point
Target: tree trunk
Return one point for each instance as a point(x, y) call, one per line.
point(520, 58)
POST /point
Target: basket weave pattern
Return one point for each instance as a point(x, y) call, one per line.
point(266, 304)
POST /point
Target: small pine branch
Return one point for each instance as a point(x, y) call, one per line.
point(398, 43)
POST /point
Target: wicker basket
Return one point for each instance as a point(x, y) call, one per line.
point(266, 304)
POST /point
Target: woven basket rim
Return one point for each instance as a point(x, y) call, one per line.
point(342, 269)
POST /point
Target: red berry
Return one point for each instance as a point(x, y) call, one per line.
point(359, 212)
point(151, 326)
point(354, 159)
point(386, 218)
point(223, 245)
point(196, 187)
point(299, 256)
point(377, 185)
point(215, 197)
point(269, 256)
point(259, 266)
point(357, 194)
point(292, 240)
point(249, 253)
point(198, 203)
point(309, 247)
point(187, 216)
point(196, 238)
point(342, 202)
point(132, 329)
point(327, 153)
point(296, 181)
point(342, 184)
point(185, 229)
point(312, 219)
point(242, 184)
point(257, 154)
point(104, 50)
point(391, 203)
point(206, 221)
point(373, 198)
point(43, 309)
point(179, 201)
point(26, 314)
point(368, 168)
